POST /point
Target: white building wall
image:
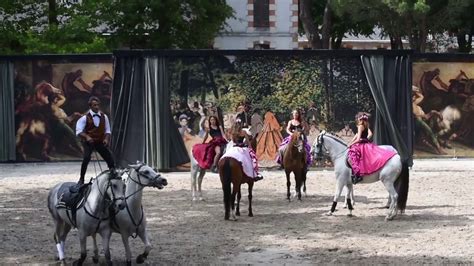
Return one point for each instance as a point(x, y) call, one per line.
point(240, 33)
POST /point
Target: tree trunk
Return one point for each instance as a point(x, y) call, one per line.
point(327, 25)
point(53, 12)
point(310, 29)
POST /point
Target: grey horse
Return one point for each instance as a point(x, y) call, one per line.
point(393, 174)
point(132, 219)
point(90, 216)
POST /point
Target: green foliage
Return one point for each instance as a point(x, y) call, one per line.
point(31, 26)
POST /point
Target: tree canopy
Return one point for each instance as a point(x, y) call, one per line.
point(32, 26)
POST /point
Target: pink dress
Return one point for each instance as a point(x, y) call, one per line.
point(367, 158)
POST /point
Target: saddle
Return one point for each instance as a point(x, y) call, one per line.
point(71, 197)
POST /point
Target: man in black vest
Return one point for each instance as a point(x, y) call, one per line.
point(94, 131)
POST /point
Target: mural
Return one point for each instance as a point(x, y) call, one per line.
point(262, 92)
point(443, 108)
point(49, 98)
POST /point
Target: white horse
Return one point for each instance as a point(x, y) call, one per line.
point(131, 220)
point(197, 175)
point(392, 174)
point(90, 216)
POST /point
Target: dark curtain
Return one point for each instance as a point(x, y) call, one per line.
point(142, 126)
point(7, 116)
point(389, 79)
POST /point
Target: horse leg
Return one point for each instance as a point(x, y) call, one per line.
point(95, 257)
point(193, 181)
point(235, 190)
point(389, 202)
point(62, 229)
point(337, 193)
point(202, 172)
point(392, 211)
point(106, 234)
point(237, 208)
point(126, 245)
point(83, 242)
point(298, 181)
point(144, 237)
point(304, 183)
point(349, 190)
point(250, 199)
point(288, 184)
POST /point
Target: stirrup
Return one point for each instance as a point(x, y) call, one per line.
point(356, 179)
point(258, 177)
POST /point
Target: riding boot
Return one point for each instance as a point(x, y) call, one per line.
point(258, 177)
point(356, 178)
point(113, 173)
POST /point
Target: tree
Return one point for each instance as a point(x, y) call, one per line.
point(32, 26)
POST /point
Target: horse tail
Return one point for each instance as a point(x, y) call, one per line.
point(226, 180)
point(401, 185)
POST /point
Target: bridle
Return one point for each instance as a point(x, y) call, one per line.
point(153, 179)
point(320, 144)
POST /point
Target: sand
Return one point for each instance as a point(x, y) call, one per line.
point(438, 226)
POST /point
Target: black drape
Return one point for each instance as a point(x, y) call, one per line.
point(143, 128)
point(389, 79)
point(7, 115)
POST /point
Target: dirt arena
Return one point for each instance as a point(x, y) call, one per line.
point(438, 226)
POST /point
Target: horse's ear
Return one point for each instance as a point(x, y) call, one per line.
point(323, 132)
point(134, 166)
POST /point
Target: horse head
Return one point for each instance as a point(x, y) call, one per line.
point(147, 176)
point(114, 190)
point(318, 145)
point(297, 140)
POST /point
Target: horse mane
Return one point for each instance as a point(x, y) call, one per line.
point(336, 138)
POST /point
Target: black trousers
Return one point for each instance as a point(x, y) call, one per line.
point(101, 149)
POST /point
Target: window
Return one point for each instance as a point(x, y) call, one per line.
point(261, 13)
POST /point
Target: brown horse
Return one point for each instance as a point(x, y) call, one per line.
point(232, 177)
point(294, 160)
point(231, 172)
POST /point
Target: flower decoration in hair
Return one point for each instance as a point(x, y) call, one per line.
point(364, 117)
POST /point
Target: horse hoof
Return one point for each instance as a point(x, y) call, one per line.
point(349, 215)
point(250, 214)
point(77, 263)
point(388, 218)
point(95, 260)
point(329, 213)
point(201, 199)
point(194, 198)
point(140, 259)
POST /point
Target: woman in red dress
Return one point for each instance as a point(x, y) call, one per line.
point(207, 154)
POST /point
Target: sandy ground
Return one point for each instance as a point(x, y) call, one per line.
point(438, 226)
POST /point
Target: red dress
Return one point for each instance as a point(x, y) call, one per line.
point(204, 153)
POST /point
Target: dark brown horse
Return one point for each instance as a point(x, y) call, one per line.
point(294, 160)
point(232, 177)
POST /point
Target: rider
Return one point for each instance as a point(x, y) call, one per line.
point(365, 157)
point(94, 130)
point(207, 154)
point(294, 124)
point(242, 148)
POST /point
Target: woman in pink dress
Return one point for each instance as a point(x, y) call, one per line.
point(365, 157)
point(207, 154)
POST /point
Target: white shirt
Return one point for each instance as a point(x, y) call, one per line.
point(81, 123)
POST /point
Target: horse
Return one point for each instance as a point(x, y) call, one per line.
point(394, 175)
point(231, 173)
point(197, 175)
point(294, 160)
point(132, 219)
point(92, 212)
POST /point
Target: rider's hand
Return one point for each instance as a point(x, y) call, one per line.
point(89, 139)
point(106, 142)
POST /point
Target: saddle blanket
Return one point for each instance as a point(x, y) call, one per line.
point(68, 199)
point(242, 155)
